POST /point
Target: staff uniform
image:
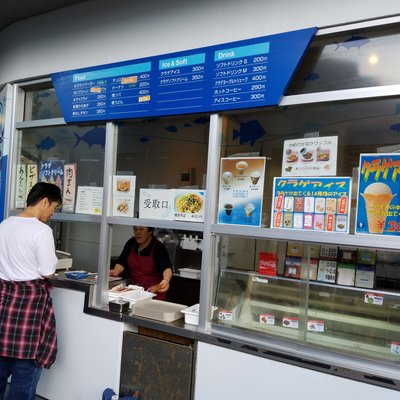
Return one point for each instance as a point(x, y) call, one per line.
point(145, 267)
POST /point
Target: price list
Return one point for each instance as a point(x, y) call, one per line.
point(237, 75)
point(240, 75)
point(180, 83)
point(111, 91)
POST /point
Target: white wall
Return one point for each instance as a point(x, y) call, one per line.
point(102, 31)
point(89, 352)
point(223, 374)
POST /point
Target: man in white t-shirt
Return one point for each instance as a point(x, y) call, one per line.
point(28, 340)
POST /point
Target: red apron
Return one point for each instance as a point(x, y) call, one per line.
point(143, 272)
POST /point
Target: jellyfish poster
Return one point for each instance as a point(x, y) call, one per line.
point(378, 202)
point(241, 191)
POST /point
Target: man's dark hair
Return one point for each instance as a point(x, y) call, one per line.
point(41, 190)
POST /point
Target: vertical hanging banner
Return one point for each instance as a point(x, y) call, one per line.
point(238, 75)
point(378, 201)
point(241, 191)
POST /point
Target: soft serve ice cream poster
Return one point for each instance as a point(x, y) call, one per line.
point(378, 205)
point(241, 191)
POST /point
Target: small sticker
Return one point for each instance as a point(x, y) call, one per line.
point(315, 326)
point(142, 99)
point(225, 315)
point(290, 322)
point(395, 347)
point(129, 79)
point(372, 298)
point(268, 319)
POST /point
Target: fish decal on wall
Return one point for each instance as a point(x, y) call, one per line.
point(144, 139)
point(202, 120)
point(312, 76)
point(249, 132)
point(92, 137)
point(46, 144)
point(171, 128)
point(395, 127)
point(353, 41)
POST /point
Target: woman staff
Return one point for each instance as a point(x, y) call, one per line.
point(145, 261)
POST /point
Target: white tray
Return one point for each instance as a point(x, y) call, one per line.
point(134, 294)
point(159, 310)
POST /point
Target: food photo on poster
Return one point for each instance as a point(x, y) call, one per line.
point(241, 190)
point(378, 205)
point(319, 204)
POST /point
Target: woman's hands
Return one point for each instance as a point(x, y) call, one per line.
point(162, 287)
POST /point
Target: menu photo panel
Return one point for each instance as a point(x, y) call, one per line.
point(317, 204)
point(241, 190)
point(378, 200)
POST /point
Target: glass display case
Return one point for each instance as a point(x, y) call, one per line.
point(338, 301)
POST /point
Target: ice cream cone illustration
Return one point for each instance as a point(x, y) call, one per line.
point(377, 198)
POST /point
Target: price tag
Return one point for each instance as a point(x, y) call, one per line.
point(315, 326)
point(225, 315)
point(290, 322)
point(372, 298)
point(268, 319)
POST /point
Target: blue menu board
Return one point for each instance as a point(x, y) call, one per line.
point(245, 74)
point(378, 202)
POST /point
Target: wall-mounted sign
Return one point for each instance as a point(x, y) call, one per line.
point(314, 156)
point(156, 204)
point(378, 201)
point(245, 74)
point(319, 204)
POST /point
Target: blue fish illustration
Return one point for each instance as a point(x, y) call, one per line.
point(249, 132)
point(150, 120)
point(313, 76)
point(202, 120)
point(46, 144)
point(395, 127)
point(187, 125)
point(94, 136)
point(171, 128)
point(353, 41)
point(144, 139)
point(43, 95)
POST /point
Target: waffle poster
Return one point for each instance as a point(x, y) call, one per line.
point(241, 191)
point(313, 156)
point(378, 202)
point(318, 204)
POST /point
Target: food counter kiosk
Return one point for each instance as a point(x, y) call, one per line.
point(340, 322)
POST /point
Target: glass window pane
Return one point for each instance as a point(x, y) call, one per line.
point(41, 103)
point(362, 126)
point(82, 145)
point(350, 60)
point(164, 153)
point(81, 240)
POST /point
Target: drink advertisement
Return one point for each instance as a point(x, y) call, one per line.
point(313, 156)
point(378, 202)
point(318, 204)
point(241, 191)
